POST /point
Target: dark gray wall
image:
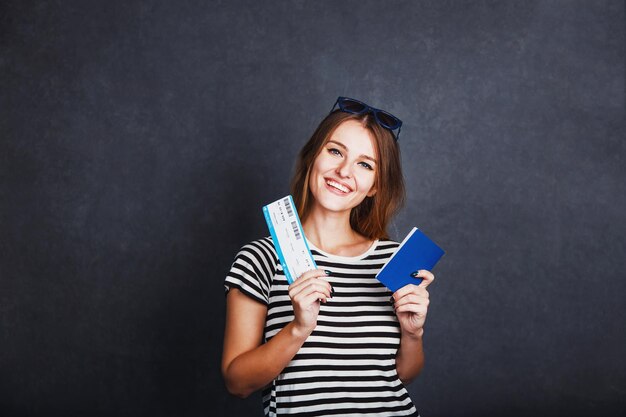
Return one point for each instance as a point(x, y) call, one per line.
point(138, 141)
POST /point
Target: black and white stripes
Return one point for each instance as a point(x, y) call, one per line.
point(347, 365)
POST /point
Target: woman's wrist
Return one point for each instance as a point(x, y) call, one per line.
point(414, 336)
point(299, 332)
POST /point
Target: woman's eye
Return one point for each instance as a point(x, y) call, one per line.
point(334, 151)
point(366, 165)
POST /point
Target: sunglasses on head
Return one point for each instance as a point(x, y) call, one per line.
point(383, 118)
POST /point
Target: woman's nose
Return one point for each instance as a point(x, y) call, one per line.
point(344, 169)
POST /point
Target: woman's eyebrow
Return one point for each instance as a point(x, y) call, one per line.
point(346, 148)
point(338, 143)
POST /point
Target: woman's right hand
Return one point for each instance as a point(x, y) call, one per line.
point(306, 293)
point(248, 364)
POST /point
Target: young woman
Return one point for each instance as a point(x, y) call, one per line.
point(336, 341)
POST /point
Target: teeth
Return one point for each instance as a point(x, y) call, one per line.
point(337, 186)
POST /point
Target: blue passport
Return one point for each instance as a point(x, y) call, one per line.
point(415, 252)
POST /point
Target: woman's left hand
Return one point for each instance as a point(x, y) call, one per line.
point(411, 305)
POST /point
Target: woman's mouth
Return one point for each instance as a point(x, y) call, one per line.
point(337, 187)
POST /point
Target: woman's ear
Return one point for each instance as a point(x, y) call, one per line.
point(371, 192)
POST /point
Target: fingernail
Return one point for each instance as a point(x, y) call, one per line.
point(415, 274)
point(327, 272)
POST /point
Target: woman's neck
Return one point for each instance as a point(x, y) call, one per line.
point(332, 232)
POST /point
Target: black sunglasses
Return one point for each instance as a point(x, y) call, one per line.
point(383, 118)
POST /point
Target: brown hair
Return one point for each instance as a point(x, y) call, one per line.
point(370, 218)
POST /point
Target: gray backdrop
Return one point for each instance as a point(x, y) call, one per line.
point(139, 140)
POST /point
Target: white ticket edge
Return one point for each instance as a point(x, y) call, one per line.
point(284, 224)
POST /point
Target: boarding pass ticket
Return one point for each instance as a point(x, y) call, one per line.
point(284, 224)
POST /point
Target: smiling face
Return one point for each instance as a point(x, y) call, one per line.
point(320, 160)
point(344, 172)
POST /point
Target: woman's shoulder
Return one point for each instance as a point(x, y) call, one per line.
point(262, 246)
point(385, 243)
point(253, 268)
point(259, 250)
point(265, 242)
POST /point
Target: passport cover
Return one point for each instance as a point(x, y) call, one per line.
point(415, 252)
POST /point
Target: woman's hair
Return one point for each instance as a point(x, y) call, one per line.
point(370, 218)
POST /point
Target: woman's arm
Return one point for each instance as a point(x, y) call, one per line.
point(411, 306)
point(248, 364)
point(410, 358)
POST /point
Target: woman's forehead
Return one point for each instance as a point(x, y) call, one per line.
point(355, 137)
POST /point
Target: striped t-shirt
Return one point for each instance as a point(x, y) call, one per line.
point(347, 366)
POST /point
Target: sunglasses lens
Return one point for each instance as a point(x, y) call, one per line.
point(388, 120)
point(352, 106)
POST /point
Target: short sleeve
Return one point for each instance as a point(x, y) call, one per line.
point(253, 270)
